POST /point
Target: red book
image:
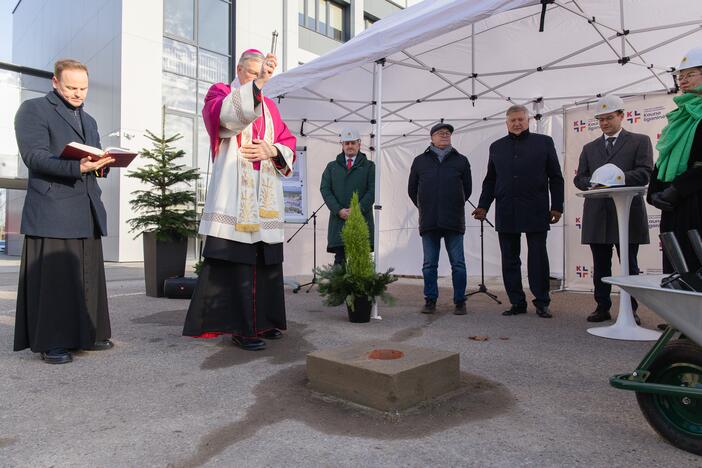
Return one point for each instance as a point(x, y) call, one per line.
point(78, 151)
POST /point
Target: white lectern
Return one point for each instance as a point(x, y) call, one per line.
point(625, 327)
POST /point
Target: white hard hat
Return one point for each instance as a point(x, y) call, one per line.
point(349, 134)
point(608, 175)
point(607, 104)
point(692, 59)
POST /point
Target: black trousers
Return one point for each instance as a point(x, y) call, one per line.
point(339, 255)
point(537, 267)
point(602, 264)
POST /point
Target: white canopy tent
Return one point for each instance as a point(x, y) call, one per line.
point(465, 62)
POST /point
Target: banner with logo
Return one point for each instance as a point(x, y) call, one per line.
point(643, 115)
point(294, 190)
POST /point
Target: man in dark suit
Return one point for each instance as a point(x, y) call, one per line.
point(522, 169)
point(633, 154)
point(61, 297)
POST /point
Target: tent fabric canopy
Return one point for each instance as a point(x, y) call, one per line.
point(466, 62)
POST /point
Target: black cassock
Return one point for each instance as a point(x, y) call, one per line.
point(239, 290)
point(62, 297)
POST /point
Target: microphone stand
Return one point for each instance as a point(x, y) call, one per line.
point(481, 287)
point(313, 217)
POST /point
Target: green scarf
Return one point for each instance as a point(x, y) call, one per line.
point(676, 139)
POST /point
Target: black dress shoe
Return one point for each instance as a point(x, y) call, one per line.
point(515, 310)
point(543, 312)
point(102, 345)
point(599, 315)
point(57, 356)
point(249, 344)
point(429, 306)
point(460, 309)
point(272, 334)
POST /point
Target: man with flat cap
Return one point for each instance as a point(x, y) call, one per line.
point(350, 172)
point(439, 186)
point(632, 153)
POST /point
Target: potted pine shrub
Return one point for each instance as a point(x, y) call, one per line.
point(166, 211)
point(356, 283)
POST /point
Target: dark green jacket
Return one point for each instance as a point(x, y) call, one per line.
point(337, 187)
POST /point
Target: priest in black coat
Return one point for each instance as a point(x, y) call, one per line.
point(523, 169)
point(62, 296)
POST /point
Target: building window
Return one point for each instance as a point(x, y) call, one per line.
point(179, 18)
point(369, 20)
point(196, 54)
point(325, 17)
point(213, 25)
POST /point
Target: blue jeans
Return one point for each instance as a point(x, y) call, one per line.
point(431, 243)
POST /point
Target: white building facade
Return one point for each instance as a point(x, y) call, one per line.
point(153, 58)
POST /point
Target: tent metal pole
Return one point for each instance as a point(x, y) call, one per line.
point(577, 103)
point(537, 105)
point(565, 207)
point(438, 74)
point(631, 32)
point(621, 18)
point(318, 127)
point(424, 67)
point(321, 99)
point(472, 57)
point(417, 101)
point(594, 26)
point(377, 205)
point(667, 26)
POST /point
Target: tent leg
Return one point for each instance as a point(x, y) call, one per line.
point(378, 101)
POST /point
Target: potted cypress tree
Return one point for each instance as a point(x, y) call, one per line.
point(356, 283)
point(166, 211)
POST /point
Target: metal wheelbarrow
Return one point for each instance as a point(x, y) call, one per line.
point(668, 381)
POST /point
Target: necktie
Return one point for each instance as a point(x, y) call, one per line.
point(349, 163)
point(76, 116)
point(610, 145)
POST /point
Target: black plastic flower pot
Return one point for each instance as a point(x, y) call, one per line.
point(362, 310)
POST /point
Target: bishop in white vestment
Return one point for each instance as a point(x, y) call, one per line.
point(240, 288)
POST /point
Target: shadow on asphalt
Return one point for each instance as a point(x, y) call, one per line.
point(478, 399)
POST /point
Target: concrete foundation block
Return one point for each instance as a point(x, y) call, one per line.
point(383, 375)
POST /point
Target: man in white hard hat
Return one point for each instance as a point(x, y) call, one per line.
point(350, 172)
point(632, 153)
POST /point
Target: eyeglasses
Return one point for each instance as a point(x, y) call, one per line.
point(443, 134)
point(687, 76)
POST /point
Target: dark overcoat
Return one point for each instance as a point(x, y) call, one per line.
point(337, 187)
point(61, 202)
point(633, 154)
point(440, 190)
point(522, 170)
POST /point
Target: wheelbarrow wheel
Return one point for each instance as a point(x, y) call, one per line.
point(677, 419)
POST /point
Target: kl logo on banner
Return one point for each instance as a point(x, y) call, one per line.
point(581, 271)
point(633, 117)
point(579, 126)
